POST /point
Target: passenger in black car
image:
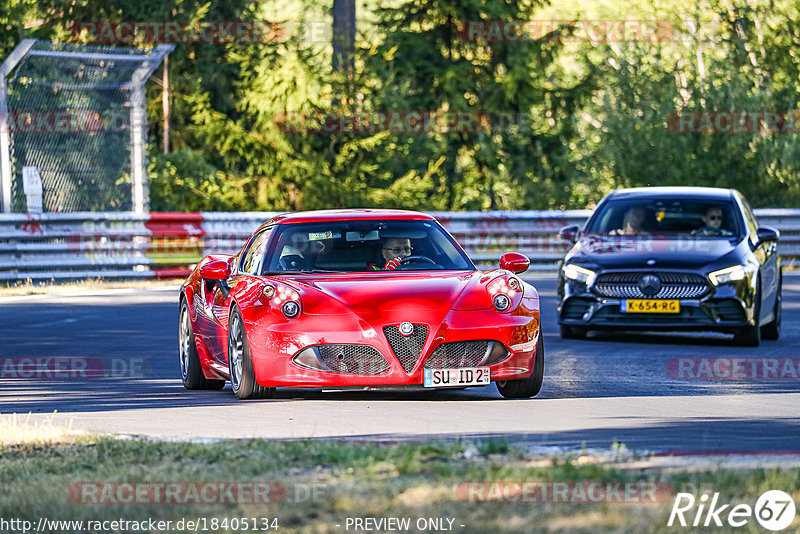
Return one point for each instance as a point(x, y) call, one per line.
point(632, 222)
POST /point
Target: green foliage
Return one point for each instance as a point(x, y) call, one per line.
point(564, 122)
point(187, 180)
point(727, 56)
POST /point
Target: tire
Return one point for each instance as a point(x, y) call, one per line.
point(750, 336)
point(525, 388)
point(772, 330)
point(240, 364)
point(191, 371)
point(572, 332)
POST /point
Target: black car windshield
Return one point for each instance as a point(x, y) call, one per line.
point(363, 246)
point(667, 217)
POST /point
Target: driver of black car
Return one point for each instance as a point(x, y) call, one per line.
point(712, 221)
point(394, 250)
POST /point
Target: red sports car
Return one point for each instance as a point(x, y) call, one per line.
point(358, 298)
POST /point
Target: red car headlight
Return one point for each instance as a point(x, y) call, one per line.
point(505, 292)
point(283, 298)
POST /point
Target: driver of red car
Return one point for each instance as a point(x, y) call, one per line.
point(394, 250)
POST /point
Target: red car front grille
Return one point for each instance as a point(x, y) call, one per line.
point(458, 354)
point(353, 359)
point(407, 349)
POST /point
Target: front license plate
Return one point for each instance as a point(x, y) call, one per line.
point(650, 306)
point(445, 378)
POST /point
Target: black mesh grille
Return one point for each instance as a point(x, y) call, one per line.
point(574, 308)
point(353, 359)
point(406, 348)
point(458, 354)
point(727, 310)
point(688, 314)
point(673, 285)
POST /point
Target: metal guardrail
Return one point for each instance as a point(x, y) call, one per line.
point(131, 245)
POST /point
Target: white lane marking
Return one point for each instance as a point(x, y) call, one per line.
point(68, 320)
point(94, 293)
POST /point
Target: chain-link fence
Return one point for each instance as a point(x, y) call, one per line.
point(75, 127)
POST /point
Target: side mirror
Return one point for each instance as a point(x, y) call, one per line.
point(767, 234)
point(569, 233)
point(514, 262)
point(215, 270)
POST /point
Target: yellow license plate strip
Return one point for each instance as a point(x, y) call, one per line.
point(650, 306)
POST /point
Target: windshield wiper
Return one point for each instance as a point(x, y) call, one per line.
point(301, 271)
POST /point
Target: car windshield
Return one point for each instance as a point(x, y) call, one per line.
point(666, 217)
point(363, 246)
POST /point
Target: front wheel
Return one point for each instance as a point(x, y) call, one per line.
point(240, 364)
point(572, 332)
point(750, 336)
point(525, 388)
point(772, 330)
point(191, 371)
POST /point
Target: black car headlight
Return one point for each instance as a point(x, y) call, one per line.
point(732, 274)
point(579, 274)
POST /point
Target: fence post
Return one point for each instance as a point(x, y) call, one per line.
point(6, 171)
point(139, 126)
point(138, 134)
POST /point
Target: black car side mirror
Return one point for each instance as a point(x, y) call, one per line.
point(767, 234)
point(569, 233)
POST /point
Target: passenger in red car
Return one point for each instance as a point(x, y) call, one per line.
point(394, 250)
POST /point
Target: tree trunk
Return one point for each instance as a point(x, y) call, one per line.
point(165, 103)
point(344, 34)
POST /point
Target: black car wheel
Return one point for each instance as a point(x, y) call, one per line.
point(526, 387)
point(750, 336)
point(240, 365)
point(191, 372)
point(772, 330)
point(572, 332)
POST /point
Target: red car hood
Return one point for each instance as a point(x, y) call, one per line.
point(407, 296)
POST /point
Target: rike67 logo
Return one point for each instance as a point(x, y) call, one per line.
point(774, 510)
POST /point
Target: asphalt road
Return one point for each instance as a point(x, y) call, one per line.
point(609, 388)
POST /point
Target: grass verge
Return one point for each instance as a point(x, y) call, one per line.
point(326, 482)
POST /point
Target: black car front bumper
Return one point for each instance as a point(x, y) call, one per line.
point(724, 309)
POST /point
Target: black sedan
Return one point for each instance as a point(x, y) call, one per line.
point(672, 258)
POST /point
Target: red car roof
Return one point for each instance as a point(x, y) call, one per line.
point(348, 215)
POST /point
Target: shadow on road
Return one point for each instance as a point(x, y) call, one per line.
point(695, 436)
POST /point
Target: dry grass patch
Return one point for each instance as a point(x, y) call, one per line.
point(19, 432)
